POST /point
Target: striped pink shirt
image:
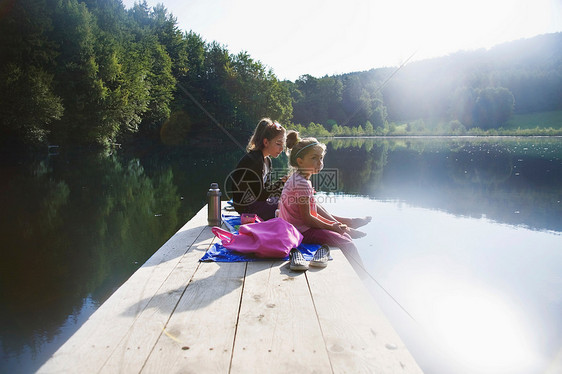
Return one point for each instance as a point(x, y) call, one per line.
point(297, 187)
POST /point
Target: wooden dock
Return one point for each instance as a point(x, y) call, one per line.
point(178, 315)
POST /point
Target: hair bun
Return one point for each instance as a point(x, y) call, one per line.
point(292, 139)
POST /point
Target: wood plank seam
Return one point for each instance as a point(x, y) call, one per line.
point(237, 318)
point(318, 320)
point(187, 227)
point(67, 357)
point(183, 292)
point(125, 336)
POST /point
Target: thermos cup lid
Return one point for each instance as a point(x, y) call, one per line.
point(214, 186)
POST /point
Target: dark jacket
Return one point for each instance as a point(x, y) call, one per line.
point(251, 181)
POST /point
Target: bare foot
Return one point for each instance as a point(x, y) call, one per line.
point(358, 222)
point(356, 234)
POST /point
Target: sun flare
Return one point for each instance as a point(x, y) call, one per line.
point(481, 331)
point(321, 37)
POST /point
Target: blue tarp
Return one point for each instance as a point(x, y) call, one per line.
point(218, 253)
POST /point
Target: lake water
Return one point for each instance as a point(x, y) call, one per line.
point(464, 253)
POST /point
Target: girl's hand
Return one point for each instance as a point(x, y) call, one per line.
point(338, 227)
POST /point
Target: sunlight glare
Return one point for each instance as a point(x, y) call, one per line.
point(320, 37)
point(434, 27)
point(481, 331)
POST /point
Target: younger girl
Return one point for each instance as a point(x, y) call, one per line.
point(252, 188)
point(298, 205)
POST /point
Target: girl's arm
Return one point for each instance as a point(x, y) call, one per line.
point(318, 222)
point(325, 214)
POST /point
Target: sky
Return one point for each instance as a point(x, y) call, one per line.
point(326, 37)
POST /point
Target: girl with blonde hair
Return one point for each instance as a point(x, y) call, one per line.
point(298, 205)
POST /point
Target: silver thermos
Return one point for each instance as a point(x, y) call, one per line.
point(214, 205)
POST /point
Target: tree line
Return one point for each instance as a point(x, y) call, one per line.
point(93, 72)
point(465, 91)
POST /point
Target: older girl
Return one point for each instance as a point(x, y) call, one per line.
point(252, 188)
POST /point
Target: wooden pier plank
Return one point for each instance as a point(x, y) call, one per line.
point(130, 354)
point(91, 346)
point(176, 315)
point(358, 337)
point(200, 335)
point(278, 331)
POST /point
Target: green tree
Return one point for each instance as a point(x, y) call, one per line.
point(161, 85)
point(192, 83)
point(317, 130)
point(336, 130)
point(369, 129)
point(76, 71)
point(28, 104)
point(164, 27)
point(317, 99)
point(493, 107)
point(356, 101)
point(28, 101)
point(379, 116)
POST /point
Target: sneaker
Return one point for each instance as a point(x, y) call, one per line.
point(297, 260)
point(321, 257)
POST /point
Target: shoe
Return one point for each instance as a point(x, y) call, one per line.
point(321, 257)
point(298, 263)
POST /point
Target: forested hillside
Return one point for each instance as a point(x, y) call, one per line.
point(474, 89)
point(93, 72)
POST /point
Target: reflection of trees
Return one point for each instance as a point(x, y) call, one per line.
point(195, 168)
point(474, 164)
point(74, 223)
point(33, 208)
point(360, 163)
point(77, 225)
point(510, 181)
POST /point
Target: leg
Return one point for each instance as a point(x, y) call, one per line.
point(331, 238)
point(355, 234)
point(344, 242)
point(354, 223)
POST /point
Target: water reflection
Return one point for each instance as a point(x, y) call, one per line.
point(465, 235)
point(483, 296)
point(513, 180)
point(480, 330)
point(75, 226)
